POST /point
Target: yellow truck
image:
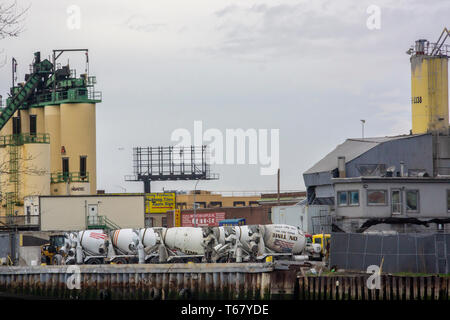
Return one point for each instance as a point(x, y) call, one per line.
point(50, 251)
point(323, 239)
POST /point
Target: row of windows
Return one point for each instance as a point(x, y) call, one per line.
point(203, 204)
point(17, 127)
point(380, 198)
point(83, 166)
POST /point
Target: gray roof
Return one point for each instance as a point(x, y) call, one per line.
point(351, 149)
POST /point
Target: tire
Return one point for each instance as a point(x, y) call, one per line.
point(57, 260)
point(152, 260)
point(94, 261)
point(120, 261)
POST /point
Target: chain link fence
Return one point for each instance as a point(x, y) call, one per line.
point(416, 253)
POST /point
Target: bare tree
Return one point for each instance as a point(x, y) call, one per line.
point(11, 19)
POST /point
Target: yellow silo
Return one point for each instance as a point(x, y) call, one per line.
point(429, 88)
point(78, 141)
point(52, 126)
point(35, 169)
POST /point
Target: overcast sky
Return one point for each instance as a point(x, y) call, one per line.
point(311, 69)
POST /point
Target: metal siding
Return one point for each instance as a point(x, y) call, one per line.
point(415, 152)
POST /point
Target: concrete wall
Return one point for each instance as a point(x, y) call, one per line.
point(29, 256)
point(69, 212)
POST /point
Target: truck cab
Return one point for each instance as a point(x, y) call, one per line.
point(323, 240)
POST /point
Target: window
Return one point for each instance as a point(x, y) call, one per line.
point(16, 125)
point(149, 222)
point(164, 222)
point(200, 204)
point(33, 128)
point(83, 166)
point(354, 198)
point(215, 204)
point(348, 198)
point(396, 202)
point(412, 200)
point(65, 167)
point(376, 198)
point(28, 214)
point(342, 198)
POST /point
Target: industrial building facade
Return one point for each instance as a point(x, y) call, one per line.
point(48, 135)
point(398, 183)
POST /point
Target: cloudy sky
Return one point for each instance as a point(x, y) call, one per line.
point(311, 69)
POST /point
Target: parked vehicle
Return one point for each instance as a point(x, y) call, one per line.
point(322, 239)
point(185, 244)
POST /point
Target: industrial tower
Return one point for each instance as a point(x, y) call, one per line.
point(429, 85)
point(47, 134)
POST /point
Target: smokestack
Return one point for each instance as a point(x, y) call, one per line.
point(341, 167)
point(402, 169)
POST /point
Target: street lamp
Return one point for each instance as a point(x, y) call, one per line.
point(195, 205)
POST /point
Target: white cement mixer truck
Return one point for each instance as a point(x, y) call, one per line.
point(185, 244)
point(257, 242)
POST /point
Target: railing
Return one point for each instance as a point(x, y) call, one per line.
point(94, 95)
point(100, 222)
point(23, 138)
point(58, 177)
point(70, 94)
point(21, 221)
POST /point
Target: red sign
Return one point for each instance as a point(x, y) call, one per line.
point(203, 219)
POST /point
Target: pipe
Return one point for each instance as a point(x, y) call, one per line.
point(341, 167)
point(402, 169)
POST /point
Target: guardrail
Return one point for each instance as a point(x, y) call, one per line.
point(24, 138)
point(58, 177)
point(19, 221)
point(100, 222)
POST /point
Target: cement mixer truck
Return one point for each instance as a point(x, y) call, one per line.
point(257, 242)
point(185, 244)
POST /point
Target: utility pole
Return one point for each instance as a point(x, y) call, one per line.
point(195, 205)
point(278, 186)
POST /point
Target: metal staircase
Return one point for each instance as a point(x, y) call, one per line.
point(100, 222)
